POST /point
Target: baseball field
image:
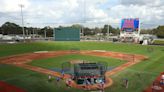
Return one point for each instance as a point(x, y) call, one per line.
point(17, 63)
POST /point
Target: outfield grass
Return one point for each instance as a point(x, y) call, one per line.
point(140, 75)
point(12, 49)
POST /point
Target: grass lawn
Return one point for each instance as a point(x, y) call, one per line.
point(140, 75)
point(32, 81)
point(58, 61)
point(12, 49)
point(159, 42)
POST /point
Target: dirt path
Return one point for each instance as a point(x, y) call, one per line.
point(131, 58)
point(22, 60)
point(5, 87)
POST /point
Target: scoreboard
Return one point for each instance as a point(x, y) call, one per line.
point(130, 24)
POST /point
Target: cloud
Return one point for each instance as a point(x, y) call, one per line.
point(150, 12)
point(13, 5)
point(135, 2)
point(42, 12)
point(143, 2)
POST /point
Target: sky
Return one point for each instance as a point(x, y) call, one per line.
point(90, 13)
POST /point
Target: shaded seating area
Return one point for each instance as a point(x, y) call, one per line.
point(157, 85)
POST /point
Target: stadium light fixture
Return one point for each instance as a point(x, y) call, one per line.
point(21, 7)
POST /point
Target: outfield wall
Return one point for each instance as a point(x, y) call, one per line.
point(66, 34)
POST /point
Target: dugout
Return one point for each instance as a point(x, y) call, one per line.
point(89, 72)
point(66, 34)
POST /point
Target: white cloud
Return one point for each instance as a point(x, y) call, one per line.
point(150, 16)
point(13, 5)
point(94, 12)
point(76, 11)
point(142, 2)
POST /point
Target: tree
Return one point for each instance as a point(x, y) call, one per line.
point(76, 26)
point(88, 31)
point(115, 31)
point(97, 30)
point(1, 30)
point(111, 30)
point(49, 31)
point(159, 31)
point(147, 31)
point(104, 30)
point(11, 28)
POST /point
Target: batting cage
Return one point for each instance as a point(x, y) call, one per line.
point(90, 73)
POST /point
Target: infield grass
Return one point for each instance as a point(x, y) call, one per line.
point(58, 61)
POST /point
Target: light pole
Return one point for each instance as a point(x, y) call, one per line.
point(108, 20)
point(21, 6)
point(140, 23)
point(45, 32)
point(82, 29)
point(28, 30)
point(33, 32)
point(108, 32)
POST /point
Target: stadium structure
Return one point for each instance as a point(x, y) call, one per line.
point(130, 30)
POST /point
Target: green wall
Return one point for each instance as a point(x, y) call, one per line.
point(67, 34)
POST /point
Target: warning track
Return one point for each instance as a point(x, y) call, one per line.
point(5, 87)
point(23, 59)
